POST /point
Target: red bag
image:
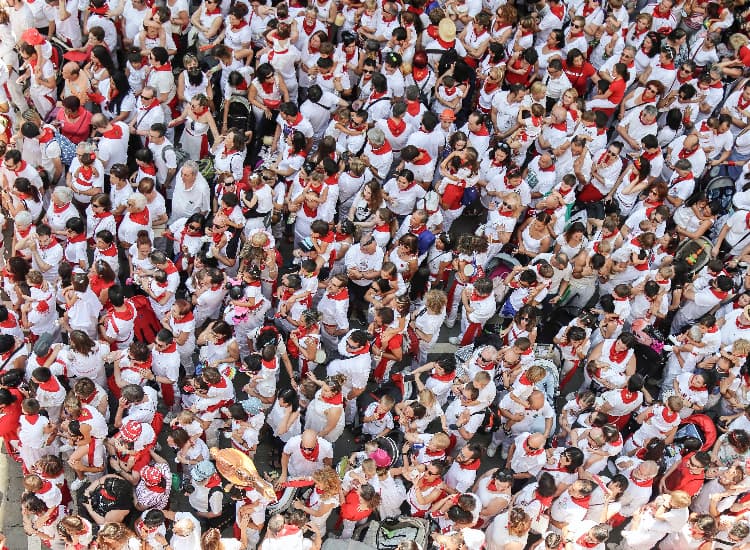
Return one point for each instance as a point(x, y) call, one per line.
point(146, 324)
point(451, 199)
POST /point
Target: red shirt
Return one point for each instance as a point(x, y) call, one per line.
point(78, 129)
point(617, 89)
point(579, 77)
point(682, 479)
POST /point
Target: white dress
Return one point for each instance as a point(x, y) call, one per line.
point(194, 140)
point(316, 419)
point(276, 417)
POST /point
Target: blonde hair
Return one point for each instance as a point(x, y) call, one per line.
point(679, 499)
point(328, 480)
point(435, 300)
point(538, 88)
point(440, 440)
point(741, 347)
point(426, 398)
point(738, 40)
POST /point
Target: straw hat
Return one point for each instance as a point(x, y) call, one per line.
point(447, 30)
point(239, 469)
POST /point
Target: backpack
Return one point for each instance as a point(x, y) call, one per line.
point(180, 155)
point(67, 148)
point(447, 58)
point(146, 324)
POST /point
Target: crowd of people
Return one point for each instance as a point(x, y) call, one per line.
point(244, 225)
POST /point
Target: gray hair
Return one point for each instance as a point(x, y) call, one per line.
point(630, 48)
point(86, 147)
point(650, 110)
point(562, 258)
point(23, 218)
point(63, 193)
point(191, 165)
point(139, 200)
point(376, 136)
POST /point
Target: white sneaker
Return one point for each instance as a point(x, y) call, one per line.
point(76, 484)
point(491, 450)
point(454, 340)
point(668, 348)
point(449, 323)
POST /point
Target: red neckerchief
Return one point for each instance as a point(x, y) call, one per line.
point(337, 399)
point(548, 169)
point(215, 11)
point(490, 87)
point(148, 169)
point(476, 297)
point(617, 356)
point(396, 127)
point(412, 107)
point(640, 119)
point(558, 11)
point(585, 543)
point(423, 483)
point(627, 396)
point(312, 456)
point(587, 10)
point(679, 179)
point(641, 482)
point(383, 149)
point(720, 294)
point(668, 415)
point(31, 418)
point(268, 86)
point(102, 215)
point(10, 322)
point(376, 95)
point(58, 209)
point(308, 27)
point(23, 233)
point(114, 133)
point(651, 156)
point(562, 126)
point(445, 377)
point(47, 135)
point(473, 465)
point(141, 218)
point(694, 388)
point(683, 154)
point(99, 11)
point(546, 502)
point(213, 481)
point(658, 14)
point(154, 104)
point(51, 385)
point(110, 251)
point(446, 45)
point(483, 131)
point(86, 172)
point(171, 348)
point(342, 294)
point(52, 243)
point(420, 74)
point(582, 502)
point(216, 237)
point(126, 315)
point(240, 25)
point(531, 452)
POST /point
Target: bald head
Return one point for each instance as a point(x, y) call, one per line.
point(99, 121)
point(647, 470)
point(71, 70)
point(309, 438)
point(536, 441)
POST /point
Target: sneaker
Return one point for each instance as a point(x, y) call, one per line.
point(491, 450)
point(449, 323)
point(454, 340)
point(504, 452)
point(76, 484)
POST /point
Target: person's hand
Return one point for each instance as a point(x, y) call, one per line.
point(297, 505)
point(279, 484)
point(122, 403)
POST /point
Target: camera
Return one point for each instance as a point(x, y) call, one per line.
point(186, 486)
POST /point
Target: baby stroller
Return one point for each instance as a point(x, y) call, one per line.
point(389, 533)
